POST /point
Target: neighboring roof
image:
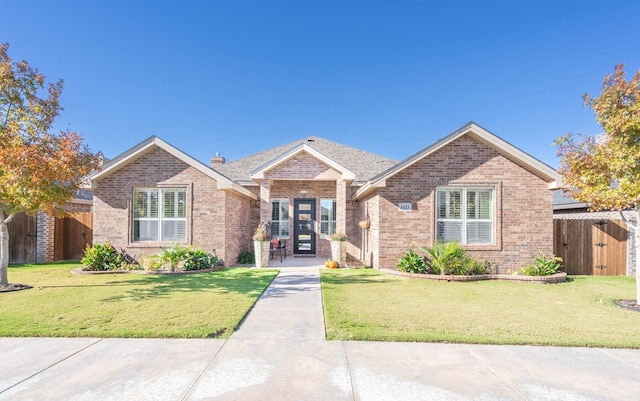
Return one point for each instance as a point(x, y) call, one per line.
point(359, 164)
point(480, 134)
point(154, 142)
point(562, 201)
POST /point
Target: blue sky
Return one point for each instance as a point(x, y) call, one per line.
point(389, 77)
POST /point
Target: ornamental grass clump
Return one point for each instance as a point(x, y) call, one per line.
point(180, 257)
point(442, 258)
point(450, 258)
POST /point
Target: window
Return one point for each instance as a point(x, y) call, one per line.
point(327, 217)
point(160, 214)
point(465, 215)
point(280, 218)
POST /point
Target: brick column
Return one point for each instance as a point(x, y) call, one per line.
point(341, 206)
point(44, 239)
point(265, 204)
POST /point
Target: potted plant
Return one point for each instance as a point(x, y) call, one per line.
point(338, 248)
point(261, 246)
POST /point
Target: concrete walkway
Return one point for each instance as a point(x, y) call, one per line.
point(279, 353)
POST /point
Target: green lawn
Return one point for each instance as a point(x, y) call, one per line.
point(368, 305)
point(202, 305)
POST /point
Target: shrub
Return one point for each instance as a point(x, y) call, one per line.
point(449, 258)
point(542, 266)
point(247, 258)
point(102, 257)
point(196, 259)
point(173, 256)
point(412, 262)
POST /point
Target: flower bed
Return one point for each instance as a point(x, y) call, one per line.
point(551, 279)
point(81, 270)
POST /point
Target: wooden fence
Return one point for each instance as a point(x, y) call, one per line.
point(592, 247)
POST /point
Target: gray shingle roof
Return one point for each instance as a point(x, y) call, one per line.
point(364, 164)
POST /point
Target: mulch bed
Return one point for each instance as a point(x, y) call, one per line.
point(14, 287)
point(628, 304)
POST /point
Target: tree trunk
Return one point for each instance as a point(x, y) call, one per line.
point(4, 250)
point(636, 230)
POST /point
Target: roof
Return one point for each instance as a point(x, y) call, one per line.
point(353, 163)
point(480, 134)
point(154, 142)
point(561, 201)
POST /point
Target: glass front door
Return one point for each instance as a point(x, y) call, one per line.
point(304, 227)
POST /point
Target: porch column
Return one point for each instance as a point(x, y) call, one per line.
point(341, 206)
point(265, 204)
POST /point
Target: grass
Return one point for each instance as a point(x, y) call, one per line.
point(368, 305)
point(201, 305)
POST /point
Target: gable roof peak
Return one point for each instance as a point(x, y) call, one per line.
point(154, 142)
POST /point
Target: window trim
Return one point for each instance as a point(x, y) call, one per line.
point(280, 221)
point(160, 215)
point(464, 220)
point(334, 210)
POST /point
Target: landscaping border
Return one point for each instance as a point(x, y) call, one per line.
point(552, 279)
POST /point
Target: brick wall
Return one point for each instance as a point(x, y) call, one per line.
point(207, 208)
point(523, 220)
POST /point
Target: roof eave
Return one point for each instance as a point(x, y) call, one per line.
point(149, 144)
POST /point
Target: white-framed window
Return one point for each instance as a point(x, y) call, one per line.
point(280, 218)
point(465, 215)
point(327, 217)
point(160, 214)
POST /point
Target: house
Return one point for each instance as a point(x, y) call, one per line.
point(593, 243)
point(469, 186)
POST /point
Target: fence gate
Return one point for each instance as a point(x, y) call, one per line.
point(72, 234)
point(592, 247)
point(22, 238)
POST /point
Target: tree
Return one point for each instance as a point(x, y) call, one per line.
point(39, 170)
point(604, 171)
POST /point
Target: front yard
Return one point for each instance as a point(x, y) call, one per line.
point(368, 305)
point(201, 305)
point(358, 304)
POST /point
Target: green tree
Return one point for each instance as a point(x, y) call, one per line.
point(604, 171)
point(39, 170)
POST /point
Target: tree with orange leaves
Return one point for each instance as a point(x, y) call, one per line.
point(39, 170)
point(604, 171)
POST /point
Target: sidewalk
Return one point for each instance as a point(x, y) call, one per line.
point(279, 352)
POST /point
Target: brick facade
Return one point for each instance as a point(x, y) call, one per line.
point(209, 209)
point(523, 206)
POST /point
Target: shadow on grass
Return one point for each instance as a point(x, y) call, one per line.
point(246, 282)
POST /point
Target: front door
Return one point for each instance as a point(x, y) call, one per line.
point(304, 242)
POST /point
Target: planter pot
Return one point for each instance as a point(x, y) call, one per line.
point(261, 250)
point(339, 252)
